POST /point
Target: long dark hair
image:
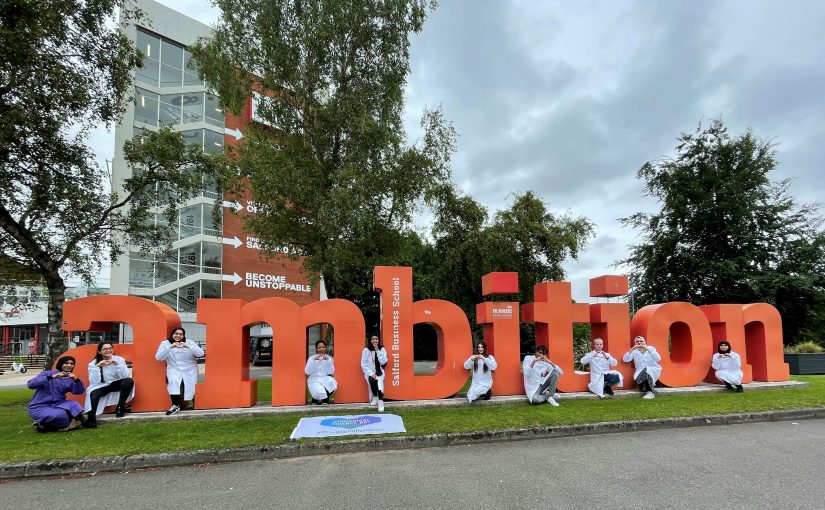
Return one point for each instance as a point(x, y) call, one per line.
point(99, 356)
point(172, 340)
point(380, 343)
point(62, 360)
point(485, 354)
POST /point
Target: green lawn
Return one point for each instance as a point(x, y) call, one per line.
point(21, 443)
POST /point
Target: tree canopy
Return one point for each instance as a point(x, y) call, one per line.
point(331, 170)
point(727, 233)
point(67, 71)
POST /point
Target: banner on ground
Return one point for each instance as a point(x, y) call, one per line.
point(326, 426)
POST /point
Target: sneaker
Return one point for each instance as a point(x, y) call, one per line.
point(488, 395)
point(739, 388)
point(324, 403)
point(552, 402)
point(119, 412)
point(91, 423)
point(380, 406)
point(608, 390)
point(172, 410)
point(374, 401)
point(555, 395)
point(649, 395)
point(728, 386)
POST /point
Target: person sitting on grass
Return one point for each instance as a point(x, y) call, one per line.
point(110, 383)
point(482, 364)
point(728, 367)
point(49, 406)
point(320, 368)
point(602, 378)
point(540, 377)
point(646, 361)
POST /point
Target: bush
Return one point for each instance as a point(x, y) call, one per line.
point(808, 348)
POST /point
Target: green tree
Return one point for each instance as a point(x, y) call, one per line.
point(726, 233)
point(67, 71)
point(330, 169)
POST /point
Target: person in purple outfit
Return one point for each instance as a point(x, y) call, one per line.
point(49, 406)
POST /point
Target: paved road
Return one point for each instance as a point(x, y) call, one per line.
point(762, 465)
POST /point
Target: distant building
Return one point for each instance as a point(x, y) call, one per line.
point(208, 259)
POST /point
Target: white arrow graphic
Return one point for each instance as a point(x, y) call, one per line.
point(234, 278)
point(235, 133)
point(234, 241)
point(232, 205)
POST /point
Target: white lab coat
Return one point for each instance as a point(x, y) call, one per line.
point(368, 367)
point(482, 380)
point(320, 380)
point(728, 370)
point(645, 360)
point(600, 363)
point(533, 377)
point(181, 365)
point(111, 373)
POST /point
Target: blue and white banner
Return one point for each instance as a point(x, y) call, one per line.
point(325, 426)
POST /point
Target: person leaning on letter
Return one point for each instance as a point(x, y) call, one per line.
point(540, 377)
point(373, 363)
point(646, 362)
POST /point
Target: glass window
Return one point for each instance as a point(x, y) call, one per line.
point(210, 289)
point(165, 273)
point(189, 296)
point(209, 222)
point(170, 76)
point(213, 142)
point(192, 104)
point(212, 254)
point(169, 115)
point(140, 274)
point(148, 44)
point(171, 54)
point(146, 107)
point(191, 79)
point(193, 136)
point(170, 298)
point(191, 216)
point(191, 255)
point(149, 72)
point(189, 63)
point(213, 108)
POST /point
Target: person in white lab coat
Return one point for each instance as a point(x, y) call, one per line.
point(482, 364)
point(602, 378)
point(373, 363)
point(540, 377)
point(110, 383)
point(320, 368)
point(181, 357)
point(728, 366)
point(646, 362)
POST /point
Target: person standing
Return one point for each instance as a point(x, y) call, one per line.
point(541, 377)
point(482, 363)
point(728, 366)
point(110, 383)
point(373, 361)
point(49, 407)
point(646, 362)
point(320, 368)
point(602, 378)
point(181, 357)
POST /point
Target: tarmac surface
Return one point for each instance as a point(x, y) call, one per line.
point(754, 465)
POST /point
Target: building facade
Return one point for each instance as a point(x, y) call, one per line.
point(208, 258)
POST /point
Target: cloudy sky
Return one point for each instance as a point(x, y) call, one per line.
point(570, 98)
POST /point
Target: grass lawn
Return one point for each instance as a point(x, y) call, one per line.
point(21, 443)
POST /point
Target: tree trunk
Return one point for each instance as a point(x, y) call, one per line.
point(56, 341)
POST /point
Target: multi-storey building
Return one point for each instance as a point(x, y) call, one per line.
point(208, 259)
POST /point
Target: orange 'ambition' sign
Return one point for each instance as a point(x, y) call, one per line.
point(753, 330)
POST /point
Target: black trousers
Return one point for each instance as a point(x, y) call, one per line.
point(375, 391)
point(124, 386)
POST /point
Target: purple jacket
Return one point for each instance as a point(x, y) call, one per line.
point(49, 402)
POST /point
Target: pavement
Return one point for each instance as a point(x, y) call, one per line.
point(126, 463)
point(743, 466)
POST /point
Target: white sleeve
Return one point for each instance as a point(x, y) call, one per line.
point(491, 362)
point(716, 362)
point(195, 348)
point(611, 360)
point(737, 361)
point(382, 356)
point(469, 363)
point(122, 371)
point(366, 366)
point(94, 373)
point(331, 363)
point(653, 352)
point(586, 358)
point(163, 350)
point(525, 365)
point(558, 369)
point(310, 366)
point(628, 356)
